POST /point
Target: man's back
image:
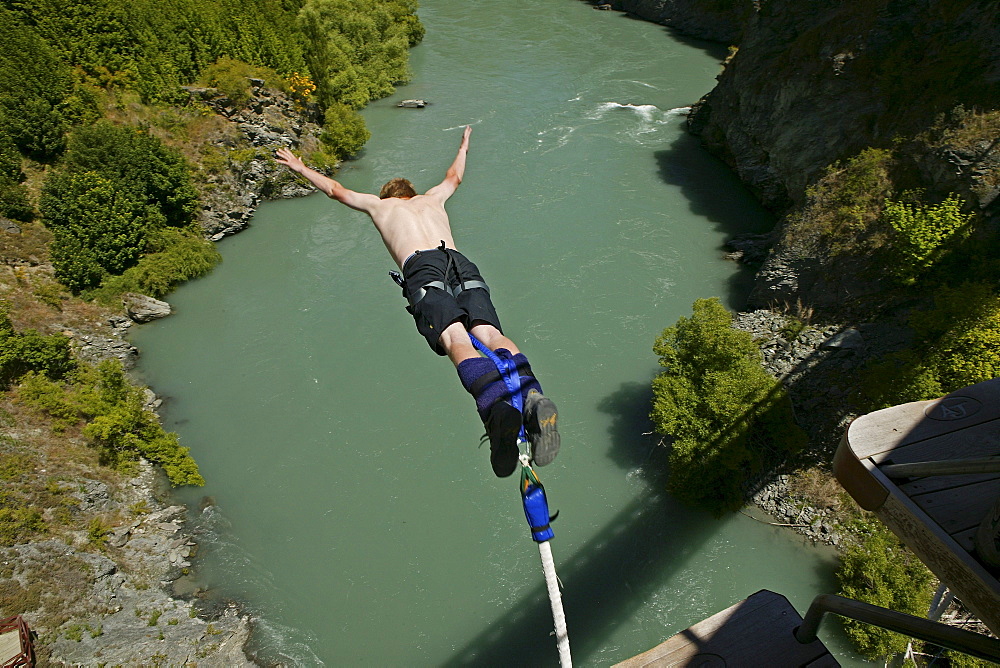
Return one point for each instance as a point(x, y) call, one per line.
point(410, 224)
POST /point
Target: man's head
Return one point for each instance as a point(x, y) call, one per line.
point(398, 187)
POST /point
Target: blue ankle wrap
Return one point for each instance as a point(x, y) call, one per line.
point(471, 370)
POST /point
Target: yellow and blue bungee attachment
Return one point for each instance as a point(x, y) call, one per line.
point(536, 506)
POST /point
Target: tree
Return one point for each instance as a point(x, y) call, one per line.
point(34, 85)
point(28, 351)
point(358, 49)
point(136, 162)
point(728, 419)
point(98, 229)
point(877, 569)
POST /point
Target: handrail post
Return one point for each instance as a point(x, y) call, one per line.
point(970, 643)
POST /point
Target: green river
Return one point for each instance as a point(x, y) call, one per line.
point(353, 511)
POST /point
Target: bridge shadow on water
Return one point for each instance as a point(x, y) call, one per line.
point(611, 577)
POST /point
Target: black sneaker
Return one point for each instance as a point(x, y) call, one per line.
point(503, 424)
point(540, 424)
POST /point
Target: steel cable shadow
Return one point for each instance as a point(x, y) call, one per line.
point(612, 576)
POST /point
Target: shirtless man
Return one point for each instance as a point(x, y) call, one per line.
point(448, 299)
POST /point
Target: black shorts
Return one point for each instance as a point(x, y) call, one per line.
point(434, 309)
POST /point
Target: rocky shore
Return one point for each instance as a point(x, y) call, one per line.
point(105, 595)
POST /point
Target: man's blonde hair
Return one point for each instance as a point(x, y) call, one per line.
point(398, 187)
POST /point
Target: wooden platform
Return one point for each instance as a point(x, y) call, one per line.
point(15, 644)
point(935, 516)
point(756, 632)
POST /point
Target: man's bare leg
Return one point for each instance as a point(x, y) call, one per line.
point(456, 343)
point(493, 339)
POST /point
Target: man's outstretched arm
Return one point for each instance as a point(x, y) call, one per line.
point(332, 188)
point(453, 177)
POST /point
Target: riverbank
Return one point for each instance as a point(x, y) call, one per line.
point(104, 583)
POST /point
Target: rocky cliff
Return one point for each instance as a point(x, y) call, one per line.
point(816, 81)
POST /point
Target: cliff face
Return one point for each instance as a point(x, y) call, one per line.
point(816, 81)
point(716, 20)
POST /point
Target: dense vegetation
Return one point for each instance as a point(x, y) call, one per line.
point(941, 255)
point(729, 420)
point(918, 239)
point(63, 65)
point(877, 569)
point(117, 419)
point(103, 166)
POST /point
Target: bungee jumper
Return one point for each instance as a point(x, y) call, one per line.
point(451, 306)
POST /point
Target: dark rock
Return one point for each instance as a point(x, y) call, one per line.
point(749, 249)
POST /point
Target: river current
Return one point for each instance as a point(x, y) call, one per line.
point(349, 506)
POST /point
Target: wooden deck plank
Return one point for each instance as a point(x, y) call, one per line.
point(890, 428)
point(10, 646)
point(930, 484)
point(978, 440)
point(756, 632)
point(960, 508)
point(967, 538)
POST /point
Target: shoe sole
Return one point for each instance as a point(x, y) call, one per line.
point(504, 452)
point(542, 434)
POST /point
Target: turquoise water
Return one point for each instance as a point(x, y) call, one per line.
point(354, 512)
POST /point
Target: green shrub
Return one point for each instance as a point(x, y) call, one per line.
point(923, 232)
point(14, 465)
point(957, 344)
point(845, 204)
point(97, 228)
point(97, 531)
point(179, 256)
point(877, 569)
point(17, 522)
point(10, 160)
point(138, 163)
point(729, 420)
point(118, 423)
point(22, 352)
point(344, 131)
point(119, 186)
point(14, 201)
point(232, 78)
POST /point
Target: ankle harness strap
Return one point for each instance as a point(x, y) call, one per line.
point(493, 376)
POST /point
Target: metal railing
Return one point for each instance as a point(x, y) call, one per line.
point(974, 644)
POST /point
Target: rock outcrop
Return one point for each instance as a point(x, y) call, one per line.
point(270, 120)
point(111, 605)
point(143, 308)
point(815, 82)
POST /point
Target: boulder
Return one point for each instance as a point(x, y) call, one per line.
point(142, 308)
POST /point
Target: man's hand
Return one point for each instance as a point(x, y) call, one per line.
point(465, 137)
point(290, 160)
